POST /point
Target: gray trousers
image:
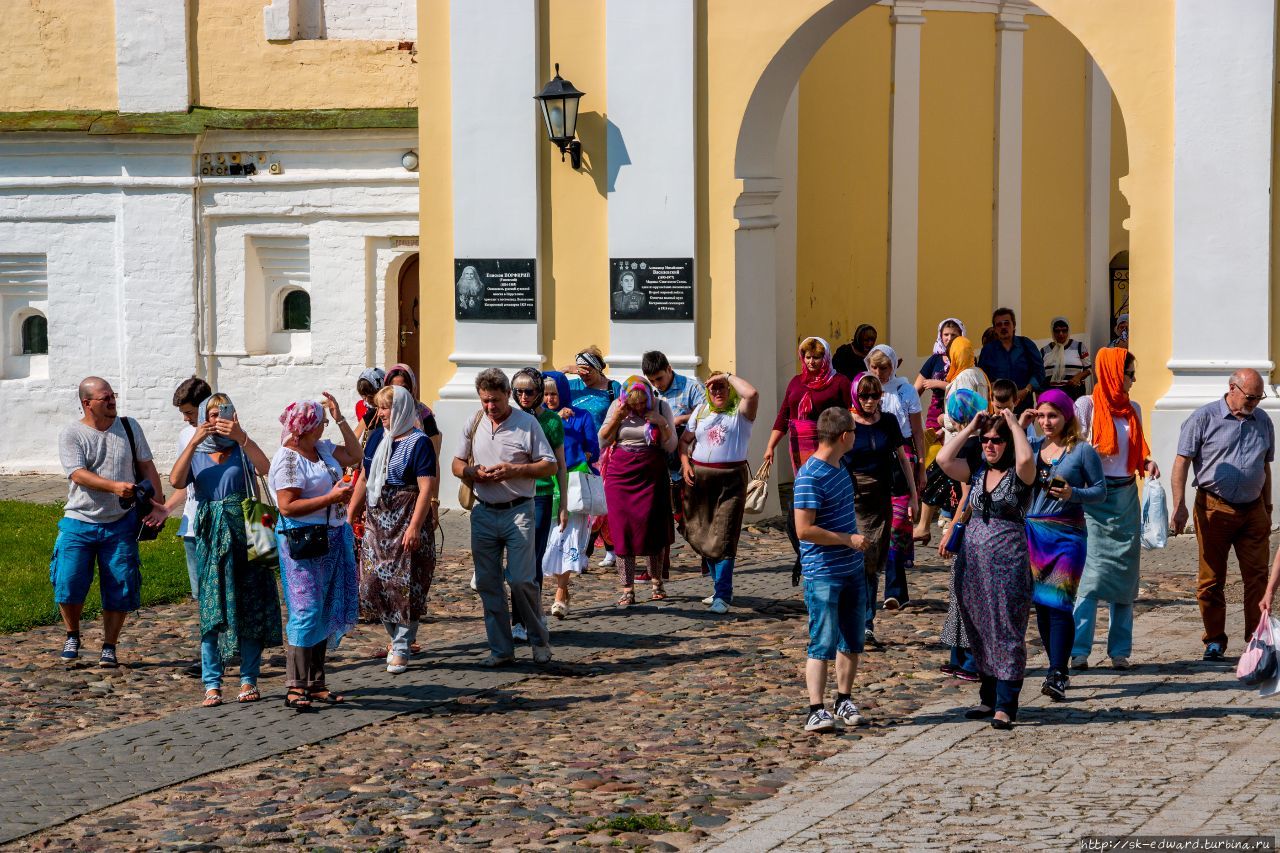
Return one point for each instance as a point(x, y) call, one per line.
point(492, 533)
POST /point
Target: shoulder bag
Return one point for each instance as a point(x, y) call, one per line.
point(259, 514)
point(758, 490)
point(143, 490)
point(466, 491)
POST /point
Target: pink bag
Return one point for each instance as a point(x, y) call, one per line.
point(1258, 660)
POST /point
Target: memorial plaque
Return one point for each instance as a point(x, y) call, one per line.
point(495, 289)
point(651, 288)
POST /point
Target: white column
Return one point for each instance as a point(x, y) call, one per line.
point(151, 56)
point(1098, 211)
point(1007, 230)
point(1222, 168)
point(652, 83)
point(904, 178)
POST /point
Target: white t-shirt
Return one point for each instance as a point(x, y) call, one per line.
point(901, 400)
point(291, 470)
point(187, 526)
point(1116, 465)
point(720, 438)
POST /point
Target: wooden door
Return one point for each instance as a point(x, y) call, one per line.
point(410, 330)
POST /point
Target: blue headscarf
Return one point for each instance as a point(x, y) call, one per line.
point(563, 389)
point(214, 443)
point(580, 436)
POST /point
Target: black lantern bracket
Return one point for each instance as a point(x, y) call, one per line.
point(559, 101)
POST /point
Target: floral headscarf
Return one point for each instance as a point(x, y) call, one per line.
point(300, 418)
point(814, 380)
point(731, 405)
point(376, 376)
point(632, 383)
point(938, 348)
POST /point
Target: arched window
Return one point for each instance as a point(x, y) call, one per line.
point(296, 311)
point(35, 335)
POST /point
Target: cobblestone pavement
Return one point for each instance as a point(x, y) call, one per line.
point(33, 488)
point(1173, 746)
point(649, 721)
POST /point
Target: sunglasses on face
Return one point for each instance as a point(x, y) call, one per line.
point(991, 439)
point(524, 392)
point(870, 396)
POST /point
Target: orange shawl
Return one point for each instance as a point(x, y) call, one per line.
point(1110, 400)
point(961, 356)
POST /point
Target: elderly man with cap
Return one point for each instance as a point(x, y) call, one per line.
point(1231, 446)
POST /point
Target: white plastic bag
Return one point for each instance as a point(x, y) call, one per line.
point(1271, 687)
point(586, 494)
point(1155, 516)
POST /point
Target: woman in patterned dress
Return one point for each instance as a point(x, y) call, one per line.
point(394, 496)
point(995, 589)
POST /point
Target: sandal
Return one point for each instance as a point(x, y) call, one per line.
point(627, 598)
point(298, 700)
point(248, 693)
point(328, 697)
point(212, 698)
point(658, 594)
point(414, 648)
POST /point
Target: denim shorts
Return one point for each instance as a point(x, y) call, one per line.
point(837, 611)
point(113, 546)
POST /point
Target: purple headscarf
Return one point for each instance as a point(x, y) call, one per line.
point(1060, 401)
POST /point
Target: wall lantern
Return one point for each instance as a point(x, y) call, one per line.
point(410, 161)
point(560, 113)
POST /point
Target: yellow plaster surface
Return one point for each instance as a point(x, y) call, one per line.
point(58, 55)
point(237, 68)
point(435, 189)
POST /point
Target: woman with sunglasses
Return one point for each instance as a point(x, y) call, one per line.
point(878, 457)
point(1113, 424)
point(995, 587)
point(1068, 477)
point(528, 390)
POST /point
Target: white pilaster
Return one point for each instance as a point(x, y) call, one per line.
point(1007, 228)
point(650, 51)
point(151, 56)
point(1098, 210)
point(904, 178)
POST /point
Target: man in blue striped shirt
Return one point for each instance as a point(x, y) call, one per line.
point(835, 588)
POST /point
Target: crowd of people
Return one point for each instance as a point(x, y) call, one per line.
point(1030, 456)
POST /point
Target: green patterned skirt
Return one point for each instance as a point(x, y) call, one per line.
point(238, 598)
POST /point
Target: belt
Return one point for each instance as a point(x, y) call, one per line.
point(502, 506)
point(1239, 507)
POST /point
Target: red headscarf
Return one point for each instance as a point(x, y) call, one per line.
point(1110, 400)
point(814, 380)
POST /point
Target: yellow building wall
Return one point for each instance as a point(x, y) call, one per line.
point(842, 210)
point(237, 68)
point(1119, 168)
point(1053, 178)
point(957, 120)
point(575, 213)
point(435, 199)
point(58, 55)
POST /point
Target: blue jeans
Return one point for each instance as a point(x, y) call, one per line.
point(193, 566)
point(113, 547)
point(542, 506)
point(509, 533)
point(1119, 635)
point(963, 658)
point(1057, 632)
point(835, 608)
point(211, 660)
point(721, 572)
point(1000, 694)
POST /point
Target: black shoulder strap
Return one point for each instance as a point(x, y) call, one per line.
point(133, 448)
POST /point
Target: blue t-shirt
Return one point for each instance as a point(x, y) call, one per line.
point(215, 482)
point(411, 457)
point(829, 490)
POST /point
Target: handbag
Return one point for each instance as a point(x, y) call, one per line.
point(467, 492)
point(1258, 661)
point(307, 541)
point(144, 492)
point(259, 516)
point(758, 490)
point(955, 541)
point(586, 494)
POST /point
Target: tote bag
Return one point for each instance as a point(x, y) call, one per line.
point(259, 515)
point(586, 494)
point(758, 490)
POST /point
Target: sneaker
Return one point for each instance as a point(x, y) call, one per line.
point(869, 637)
point(493, 661)
point(71, 648)
point(107, 659)
point(541, 655)
point(1080, 662)
point(1055, 687)
point(708, 600)
point(610, 560)
point(820, 721)
point(948, 669)
point(891, 604)
point(966, 675)
point(718, 606)
point(1119, 663)
point(847, 714)
point(519, 633)
point(643, 577)
point(474, 588)
point(1214, 651)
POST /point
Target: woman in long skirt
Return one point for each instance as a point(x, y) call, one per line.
point(239, 606)
point(995, 588)
point(713, 459)
point(641, 430)
point(393, 495)
point(317, 549)
point(1068, 478)
point(1113, 424)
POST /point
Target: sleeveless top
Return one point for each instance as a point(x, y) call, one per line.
point(1006, 502)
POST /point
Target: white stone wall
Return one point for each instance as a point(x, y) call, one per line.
point(131, 259)
point(379, 20)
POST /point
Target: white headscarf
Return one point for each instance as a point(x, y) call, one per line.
point(403, 414)
point(938, 348)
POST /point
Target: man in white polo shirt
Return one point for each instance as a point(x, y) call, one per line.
point(502, 453)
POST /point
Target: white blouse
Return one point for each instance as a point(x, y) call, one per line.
point(720, 438)
point(291, 470)
point(1117, 464)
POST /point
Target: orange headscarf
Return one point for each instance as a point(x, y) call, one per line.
point(1110, 400)
point(962, 357)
